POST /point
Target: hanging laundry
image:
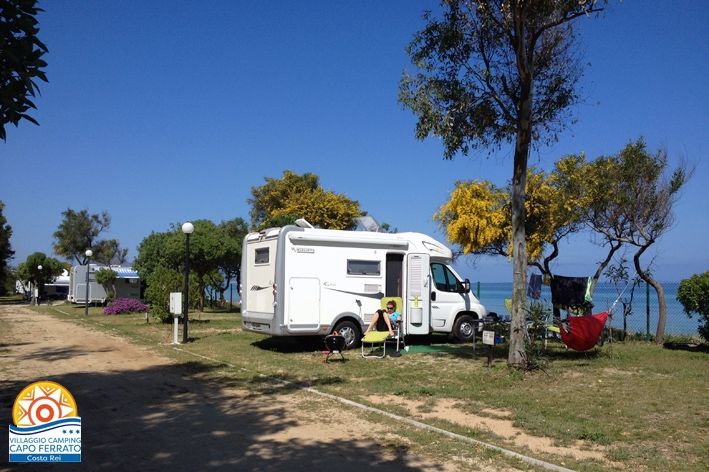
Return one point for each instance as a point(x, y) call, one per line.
point(588, 297)
point(569, 291)
point(534, 289)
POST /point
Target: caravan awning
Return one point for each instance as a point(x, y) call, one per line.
point(126, 272)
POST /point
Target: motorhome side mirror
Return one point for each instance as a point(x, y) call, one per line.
point(465, 286)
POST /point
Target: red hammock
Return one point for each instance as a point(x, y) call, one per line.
point(584, 331)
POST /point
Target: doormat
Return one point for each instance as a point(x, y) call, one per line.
point(446, 348)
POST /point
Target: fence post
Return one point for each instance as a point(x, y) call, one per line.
point(647, 311)
point(478, 295)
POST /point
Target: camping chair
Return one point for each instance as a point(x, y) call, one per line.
point(398, 333)
point(374, 338)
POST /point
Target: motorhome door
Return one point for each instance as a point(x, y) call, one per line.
point(418, 289)
point(303, 305)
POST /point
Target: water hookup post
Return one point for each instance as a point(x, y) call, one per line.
point(176, 311)
point(489, 341)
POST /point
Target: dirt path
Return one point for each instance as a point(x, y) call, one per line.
point(141, 411)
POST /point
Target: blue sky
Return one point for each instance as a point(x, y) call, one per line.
point(164, 111)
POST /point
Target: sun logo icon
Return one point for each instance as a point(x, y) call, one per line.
point(43, 402)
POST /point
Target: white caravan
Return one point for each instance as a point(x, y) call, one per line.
point(305, 281)
point(127, 284)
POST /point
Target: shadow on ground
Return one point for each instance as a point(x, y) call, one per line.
point(291, 344)
point(51, 355)
point(433, 345)
point(691, 347)
point(165, 418)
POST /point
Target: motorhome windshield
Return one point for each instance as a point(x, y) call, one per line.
point(444, 278)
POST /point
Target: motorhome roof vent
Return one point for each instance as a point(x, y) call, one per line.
point(303, 223)
point(367, 223)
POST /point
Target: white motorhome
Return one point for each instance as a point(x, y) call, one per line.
point(299, 280)
point(57, 289)
point(127, 283)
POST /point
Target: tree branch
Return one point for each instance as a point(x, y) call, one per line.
point(565, 19)
point(550, 257)
point(602, 266)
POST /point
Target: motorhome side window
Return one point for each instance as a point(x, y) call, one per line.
point(262, 256)
point(443, 278)
point(358, 267)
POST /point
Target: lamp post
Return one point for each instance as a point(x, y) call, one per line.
point(187, 228)
point(88, 254)
point(38, 284)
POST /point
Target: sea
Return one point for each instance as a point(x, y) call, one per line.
point(644, 308)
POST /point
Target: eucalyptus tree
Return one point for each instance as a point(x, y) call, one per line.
point(632, 204)
point(494, 72)
point(79, 231)
point(21, 62)
point(109, 251)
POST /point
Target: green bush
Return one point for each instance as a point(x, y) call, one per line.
point(160, 283)
point(693, 294)
point(539, 316)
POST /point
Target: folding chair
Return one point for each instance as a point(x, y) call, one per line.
point(374, 338)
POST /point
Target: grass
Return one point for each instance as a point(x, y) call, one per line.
point(647, 407)
point(14, 299)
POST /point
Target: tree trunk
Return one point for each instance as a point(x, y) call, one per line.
point(516, 356)
point(202, 289)
point(519, 259)
point(662, 317)
point(524, 55)
point(662, 314)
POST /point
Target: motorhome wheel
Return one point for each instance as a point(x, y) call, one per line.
point(464, 328)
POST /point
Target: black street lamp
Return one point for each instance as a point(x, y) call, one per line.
point(187, 228)
point(88, 254)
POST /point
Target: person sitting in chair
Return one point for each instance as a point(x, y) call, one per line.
point(385, 321)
